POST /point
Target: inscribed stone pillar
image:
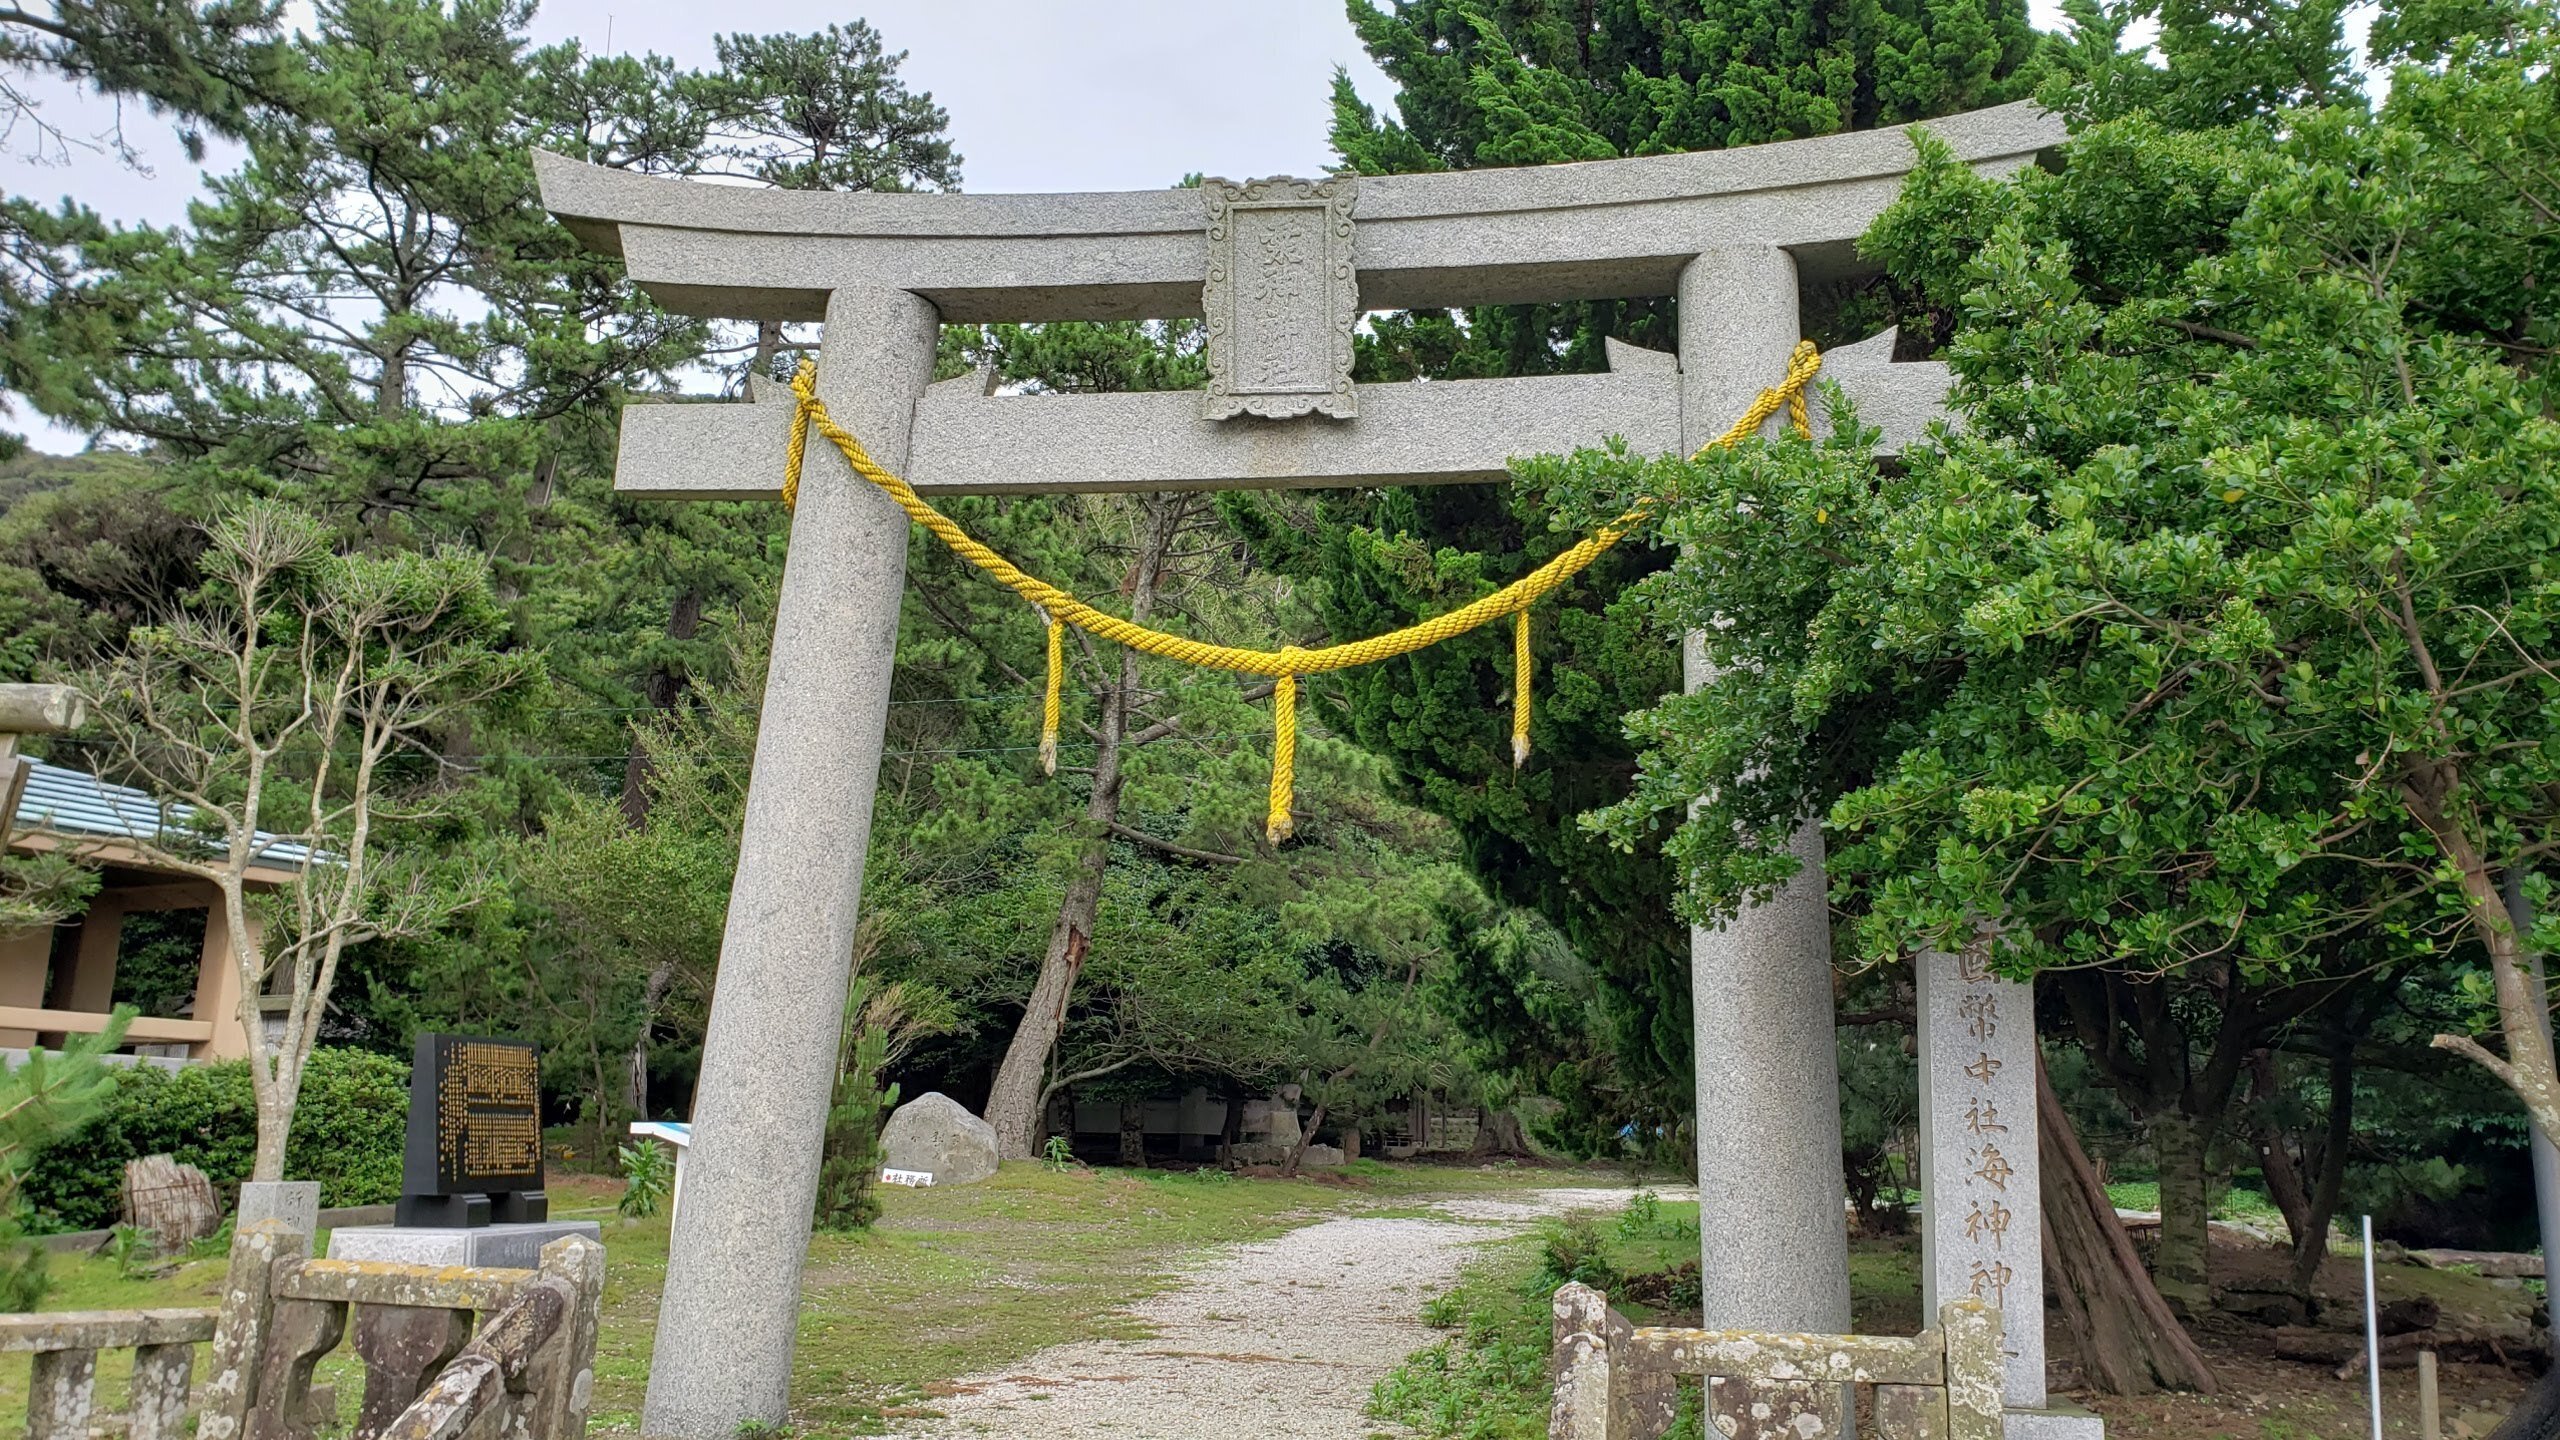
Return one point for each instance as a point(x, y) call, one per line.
point(1984, 1235)
point(1773, 1227)
point(732, 1301)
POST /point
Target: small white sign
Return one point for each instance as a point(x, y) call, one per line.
point(919, 1179)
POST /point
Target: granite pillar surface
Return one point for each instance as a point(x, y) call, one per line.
point(731, 1306)
point(1773, 1227)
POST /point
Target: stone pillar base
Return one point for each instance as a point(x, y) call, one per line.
point(512, 1247)
point(2054, 1422)
point(295, 1202)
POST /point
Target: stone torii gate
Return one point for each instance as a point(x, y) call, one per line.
point(1282, 269)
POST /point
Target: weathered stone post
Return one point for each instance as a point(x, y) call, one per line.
point(1979, 1168)
point(732, 1302)
point(1773, 1230)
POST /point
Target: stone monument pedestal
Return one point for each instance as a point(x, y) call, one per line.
point(2054, 1422)
point(511, 1247)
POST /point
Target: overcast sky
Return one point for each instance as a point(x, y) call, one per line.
point(1043, 95)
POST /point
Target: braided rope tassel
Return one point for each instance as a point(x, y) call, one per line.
point(798, 454)
point(1050, 705)
point(1519, 689)
point(1279, 822)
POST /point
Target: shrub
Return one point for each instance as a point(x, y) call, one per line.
point(348, 1133)
point(648, 1174)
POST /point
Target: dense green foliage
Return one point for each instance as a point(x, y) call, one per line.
point(347, 1134)
point(2213, 656)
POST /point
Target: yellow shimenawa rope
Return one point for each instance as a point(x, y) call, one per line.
point(1519, 689)
point(1283, 666)
point(1050, 705)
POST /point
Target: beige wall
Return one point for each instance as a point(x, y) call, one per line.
point(218, 991)
point(89, 981)
point(86, 981)
point(24, 954)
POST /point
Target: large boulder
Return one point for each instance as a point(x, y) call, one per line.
point(936, 1134)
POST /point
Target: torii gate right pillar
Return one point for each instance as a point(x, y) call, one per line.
point(1772, 1227)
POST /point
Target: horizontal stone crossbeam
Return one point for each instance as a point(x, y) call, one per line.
point(379, 1282)
point(1598, 229)
point(102, 1330)
point(1832, 1359)
point(968, 442)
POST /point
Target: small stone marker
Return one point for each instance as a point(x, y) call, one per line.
point(475, 1134)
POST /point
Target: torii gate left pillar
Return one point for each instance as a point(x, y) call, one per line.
point(731, 1308)
point(1274, 272)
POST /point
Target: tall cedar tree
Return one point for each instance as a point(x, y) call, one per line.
point(1519, 82)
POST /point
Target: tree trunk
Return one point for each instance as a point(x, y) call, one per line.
point(391, 390)
point(1498, 1133)
point(635, 1093)
point(1013, 1102)
point(2284, 1180)
point(1133, 1134)
point(2182, 1265)
point(2129, 1341)
point(664, 688)
point(2433, 793)
point(1306, 1137)
point(2311, 1242)
point(1228, 1130)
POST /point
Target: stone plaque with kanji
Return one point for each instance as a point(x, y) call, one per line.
point(474, 1152)
point(1281, 298)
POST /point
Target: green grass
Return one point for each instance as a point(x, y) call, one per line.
point(951, 1281)
point(1488, 1380)
point(2238, 1203)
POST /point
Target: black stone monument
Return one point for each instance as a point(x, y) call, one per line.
point(475, 1134)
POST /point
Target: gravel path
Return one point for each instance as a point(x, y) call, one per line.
point(1279, 1338)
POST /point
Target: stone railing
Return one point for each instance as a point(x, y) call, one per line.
point(63, 1380)
point(1615, 1380)
point(526, 1375)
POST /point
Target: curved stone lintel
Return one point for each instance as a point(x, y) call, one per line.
point(1551, 232)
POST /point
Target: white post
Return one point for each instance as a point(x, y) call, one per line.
point(1773, 1228)
point(731, 1307)
point(2372, 1336)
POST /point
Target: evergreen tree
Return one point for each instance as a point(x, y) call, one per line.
point(1513, 82)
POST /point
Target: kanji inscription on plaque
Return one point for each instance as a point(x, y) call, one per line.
point(1281, 298)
